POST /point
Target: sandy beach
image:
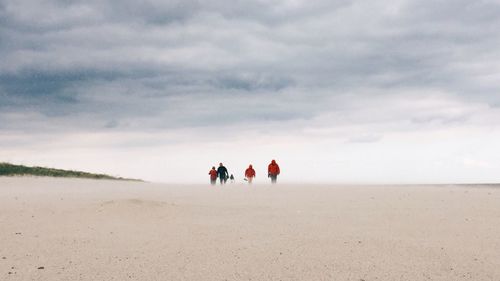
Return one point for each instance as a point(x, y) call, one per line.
point(68, 229)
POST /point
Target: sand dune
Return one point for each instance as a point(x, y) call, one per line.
point(67, 229)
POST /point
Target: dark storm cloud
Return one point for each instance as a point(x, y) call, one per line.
point(166, 64)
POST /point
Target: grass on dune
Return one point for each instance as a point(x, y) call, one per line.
point(7, 169)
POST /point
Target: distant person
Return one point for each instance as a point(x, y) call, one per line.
point(273, 170)
point(213, 176)
point(222, 173)
point(249, 174)
point(231, 178)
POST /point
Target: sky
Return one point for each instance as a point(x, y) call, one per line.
point(336, 91)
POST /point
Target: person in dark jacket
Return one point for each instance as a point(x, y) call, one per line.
point(222, 173)
point(273, 170)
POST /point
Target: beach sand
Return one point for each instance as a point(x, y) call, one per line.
point(69, 229)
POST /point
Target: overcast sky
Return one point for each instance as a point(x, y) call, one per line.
point(336, 91)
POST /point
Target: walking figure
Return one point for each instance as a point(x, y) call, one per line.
point(273, 170)
point(249, 174)
point(222, 173)
point(213, 176)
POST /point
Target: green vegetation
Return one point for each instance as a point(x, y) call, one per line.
point(7, 169)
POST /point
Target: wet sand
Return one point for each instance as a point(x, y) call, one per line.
point(69, 229)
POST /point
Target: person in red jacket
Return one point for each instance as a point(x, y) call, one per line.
point(213, 176)
point(273, 170)
point(249, 174)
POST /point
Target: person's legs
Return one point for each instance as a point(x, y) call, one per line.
point(250, 179)
point(213, 181)
point(273, 178)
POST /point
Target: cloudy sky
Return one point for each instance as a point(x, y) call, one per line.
point(393, 91)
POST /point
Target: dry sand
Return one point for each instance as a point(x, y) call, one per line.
point(111, 230)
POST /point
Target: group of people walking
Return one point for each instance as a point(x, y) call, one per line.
point(273, 170)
